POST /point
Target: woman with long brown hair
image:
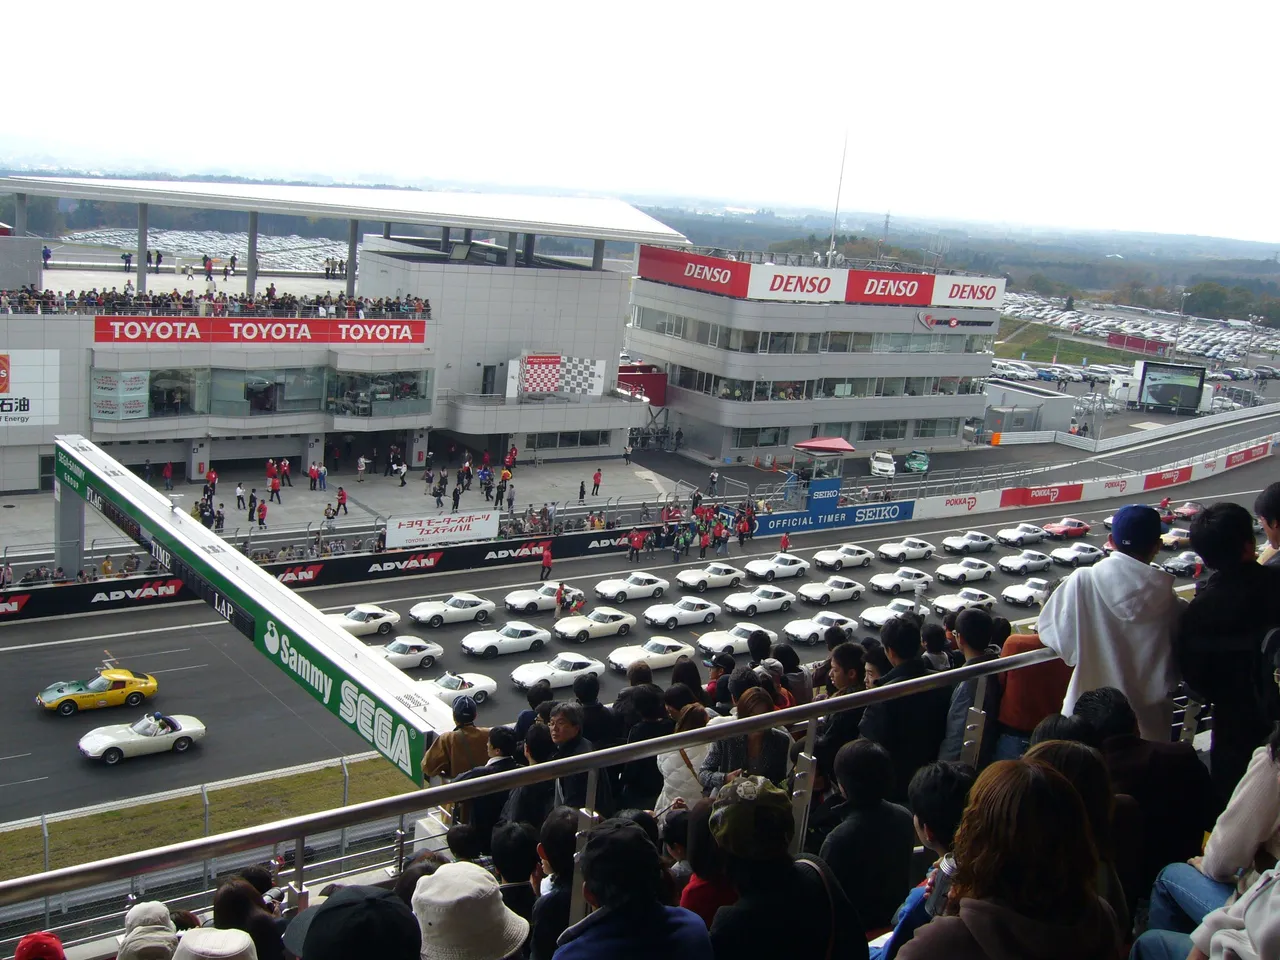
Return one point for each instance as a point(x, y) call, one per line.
point(766, 753)
point(1024, 886)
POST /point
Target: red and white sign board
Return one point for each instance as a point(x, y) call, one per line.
point(709, 274)
point(249, 330)
point(1041, 496)
point(815, 284)
point(910, 289)
point(961, 505)
point(413, 532)
point(968, 292)
point(1241, 457)
point(1102, 489)
point(1166, 478)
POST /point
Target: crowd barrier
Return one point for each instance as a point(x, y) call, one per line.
point(151, 590)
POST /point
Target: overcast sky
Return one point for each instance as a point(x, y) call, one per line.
point(1127, 114)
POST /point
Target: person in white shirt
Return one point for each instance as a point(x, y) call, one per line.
point(1116, 623)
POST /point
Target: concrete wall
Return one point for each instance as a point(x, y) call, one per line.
point(20, 262)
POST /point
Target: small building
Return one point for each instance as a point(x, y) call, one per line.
point(1018, 407)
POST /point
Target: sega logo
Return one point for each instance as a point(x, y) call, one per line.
point(969, 503)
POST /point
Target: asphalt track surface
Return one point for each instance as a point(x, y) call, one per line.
point(259, 720)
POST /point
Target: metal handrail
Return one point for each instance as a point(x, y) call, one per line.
point(66, 879)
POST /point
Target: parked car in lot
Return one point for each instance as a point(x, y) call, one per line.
point(364, 619)
point(1021, 535)
point(684, 611)
point(876, 617)
point(1189, 510)
point(454, 685)
point(657, 652)
point(455, 609)
point(845, 555)
point(909, 548)
point(713, 576)
point(1176, 538)
point(966, 570)
point(1026, 594)
point(541, 599)
point(408, 652)
point(813, 630)
point(966, 599)
point(1077, 555)
point(559, 672)
point(1184, 564)
point(514, 637)
point(835, 588)
point(600, 622)
point(763, 599)
point(632, 587)
point(904, 578)
point(1066, 527)
point(971, 542)
point(1025, 562)
point(734, 640)
point(779, 565)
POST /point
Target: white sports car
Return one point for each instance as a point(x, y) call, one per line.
point(763, 599)
point(1023, 533)
point(733, 640)
point(971, 542)
point(633, 587)
point(454, 685)
point(1077, 554)
point(1025, 562)
point(405, 652)
point(833, 588)
point(657, 652)
point(560, 672)
point(457, 608)
point(542, 599)
point(711, 577)
point(1026, 594)
point(364, 619)
point(514, 637)
point(966, 599)
point(600, 622)
point(684, 611)
point(877, 617)
point(964, 571)
point(154, 733)
point(845, 555)
point(909, 549)
point(904, 578)
point(779, 565)
point(813, 630)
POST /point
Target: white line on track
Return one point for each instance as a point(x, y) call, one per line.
point(15, 756)
point(18, 783)
point(194, 666)
point(997, 523)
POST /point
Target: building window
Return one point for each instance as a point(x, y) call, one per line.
point(742, 341)
point(943, 427)
point(792, 390)
point(353, 394)
point(876, 430)
point(837, 341)
point(745, 437)
point(779, 342)
point(567, 440)
point(808, 342)
point(841, 430)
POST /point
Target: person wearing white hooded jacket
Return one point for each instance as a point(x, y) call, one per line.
point(679, 768)
point(1116, 623)
point(1248, 929)
point(149, 933)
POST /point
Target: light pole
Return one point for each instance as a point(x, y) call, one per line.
point(1182, 310)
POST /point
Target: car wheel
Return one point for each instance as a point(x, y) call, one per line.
point(702, 586)
point(112, 756)
point(435, 621)
point(490, 653)
point(786, 605)
point(769, 576)
point(68, 707)
point(657, 592)
point(709, 618)
point(838, 565)
point(1075, 561)
point(427, 662)
point(812, 640)
point(482, 616)
point(866, 561)
point(535, 646)
point(824, 599)
point(619, 597)
point(857, 595)
point(1022, 570)
point(181, 745)
point(750, 611)
point(582, 636)
point(480, 696)
point(671, 624)
point(897, 589)
point(531, 608)
point(735, 582)
point(133, 699)
point(927, 554)
point(986, 575)
point(384, 629)
point(624, 629)
point(965, 548)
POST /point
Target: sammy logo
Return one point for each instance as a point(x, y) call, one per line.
point(969, 503)
point(1119, 485)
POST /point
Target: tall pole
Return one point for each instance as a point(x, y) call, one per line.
point(1182, 322)
point(835, 217)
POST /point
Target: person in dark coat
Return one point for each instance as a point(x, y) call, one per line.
point(641, 780)
point(599, 725)
point(531, 803)
point(973, 633)
point(566, 732)
point(846, 675)
point(486, 811)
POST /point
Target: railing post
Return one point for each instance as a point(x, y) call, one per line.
point(208, 864)
point(400, 835)
point(586, 819)
point(298, 895)
point(44, 833)
point(346, 794)
point(975, 722)
point(802, 788)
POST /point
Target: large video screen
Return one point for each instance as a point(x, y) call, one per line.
point(1172, 386)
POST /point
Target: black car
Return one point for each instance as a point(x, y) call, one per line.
point(1184, 564)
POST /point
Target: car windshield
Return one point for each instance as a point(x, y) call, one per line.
point(455, 602)
point(904, 574)
point(971, 594)
point(849, 550)
point(1030, 555)
point(828, 619)
point(599, 616)
point(639, 579)
point(972, 564)
point(398, 646)
point(450, 682)
point(780, 558)
point(902, 606)
point(566, 663)
point(98, 684)
point(836, 582)
point(145, 727)
point(356, 615)
point(510, 630)
point(656, 646)
point(1037, 584)
point(743, 632)
point(687, 604)
point(718, 570)
point(547, 590)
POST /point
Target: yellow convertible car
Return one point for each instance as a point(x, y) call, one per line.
point(113, 687)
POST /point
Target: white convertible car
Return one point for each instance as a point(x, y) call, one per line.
point(904, 578)
point(713, 576)
point(909, 549)
point(845, 555)
point(457, 608)
point(542, 599)
point(733, 640)
point(1025, 562)
point(364, 619)
point(154, 733)
point(560, 672)
point(966, 599)
point(812, 631)
point(964, 571)
point(832, 589)
point(657, 652)
point(1023, 533)
point(633, 587)
point(514, 637)
point(1026, 594)
point(405, 652)
point(763, 599)
point(971, 542)
point(684, 611)
point(779, 565)
point(454, 685)
point(600, 622)
point(877, 617)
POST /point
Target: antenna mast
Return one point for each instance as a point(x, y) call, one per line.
point(835, 218)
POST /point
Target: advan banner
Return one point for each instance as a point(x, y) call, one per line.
point(412, 532)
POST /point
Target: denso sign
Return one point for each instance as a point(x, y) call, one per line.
point(799, 284)
point(968, 292)
point(709, 274)
point(902, 289)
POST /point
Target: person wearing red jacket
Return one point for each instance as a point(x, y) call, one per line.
point(635, 541)
point(211, 478)
point(271, 470)
point(262, 515)
point(284, 471)
point(275, 491)
point(785, 543)
point(546, 562)
point(167, 473)
point(743, 529)
point(342, 502)
point(314, 473)
point(703, 542)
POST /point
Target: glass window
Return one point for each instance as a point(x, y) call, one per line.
point(730, 389)
point(780, 342)
point(917, 386)
point(299, 389)
point(569, 438)
point(891, 386)
point(792, 390)
point(760, 436)
point(547, 441)
point(949, 386)
point(229, 391)
point(883, 430)
point(761, 390)
point(808, 342)
point(943, 427)
point(589, 438)
point(862, 342)
point(742, 341)
point(831, 430)
point(838, 341)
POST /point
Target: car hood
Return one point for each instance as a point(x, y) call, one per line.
point(429, 606)
point(102, 737)
point(609, 585)
point(796, 625)
point(523, 596)
point(627, 655)
point(877, 613)
point(663, 609)
point(62, 688)
point(531, 671)
point(566, 624)
point(951, 601)
point(1017, 588)
point(481, 636)
point(884, 578)
point(951, 568)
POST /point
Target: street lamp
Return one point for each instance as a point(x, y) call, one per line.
point(1182, 310)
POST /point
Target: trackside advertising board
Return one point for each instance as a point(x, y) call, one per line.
point(366, 693)
point(429, 531)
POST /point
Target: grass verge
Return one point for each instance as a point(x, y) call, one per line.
point(1019, 340)
point(101, 835)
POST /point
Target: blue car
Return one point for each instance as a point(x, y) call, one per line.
point(1045, 374)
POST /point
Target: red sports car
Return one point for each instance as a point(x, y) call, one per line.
point(1189, 510)
point(1066, 527)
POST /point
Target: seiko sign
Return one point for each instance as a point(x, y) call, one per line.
point(824, 494)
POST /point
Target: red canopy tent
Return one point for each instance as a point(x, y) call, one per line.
point(825, 447)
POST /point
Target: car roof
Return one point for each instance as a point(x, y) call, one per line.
point(369, 608)
point(120, 673)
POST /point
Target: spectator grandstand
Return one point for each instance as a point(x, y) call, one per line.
point(114, 302)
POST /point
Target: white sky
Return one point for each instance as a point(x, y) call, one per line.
point(1128, 114)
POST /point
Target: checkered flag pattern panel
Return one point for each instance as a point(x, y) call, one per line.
point(540, 373)
point(581, 375)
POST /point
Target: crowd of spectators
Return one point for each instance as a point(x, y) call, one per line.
point(1073, 826)
point(176, 303)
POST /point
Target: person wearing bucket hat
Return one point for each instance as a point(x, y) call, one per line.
point(1116, 623)
point(149, 933)
point(622, 880)
point(357, 921)
point(753, 824)
point(462, 917)
point(212, 943)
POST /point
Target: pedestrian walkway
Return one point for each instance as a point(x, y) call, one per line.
point(26, 520)
point(298, 286)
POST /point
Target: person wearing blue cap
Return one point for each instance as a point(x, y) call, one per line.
point(1116, 623)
